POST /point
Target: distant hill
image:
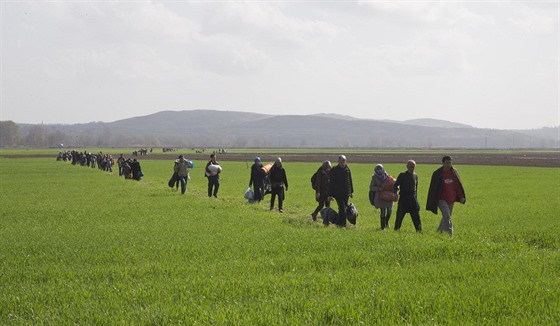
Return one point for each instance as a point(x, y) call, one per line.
point(231, 129)
point(435, 123)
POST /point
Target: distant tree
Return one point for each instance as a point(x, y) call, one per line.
point(9, 133)
point(36, 136)
point(56, 138)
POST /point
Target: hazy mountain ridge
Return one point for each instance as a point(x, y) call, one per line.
point(435, 123)
point(211, 128)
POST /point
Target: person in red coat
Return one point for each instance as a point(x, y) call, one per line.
point(446, 188)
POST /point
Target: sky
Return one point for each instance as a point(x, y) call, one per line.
point(488, 64)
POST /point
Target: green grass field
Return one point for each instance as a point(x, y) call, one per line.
point(81, 246)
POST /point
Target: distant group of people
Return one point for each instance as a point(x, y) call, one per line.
point(102, 161)
point(141, 152)
point(129, 168)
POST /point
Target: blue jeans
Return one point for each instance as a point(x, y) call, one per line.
point(183, 181)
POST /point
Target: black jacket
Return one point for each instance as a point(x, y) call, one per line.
point(340, 182)
point(277, 177)
point(322, 184)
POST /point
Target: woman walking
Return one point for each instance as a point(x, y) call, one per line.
point(377, 185)
point(321, 186)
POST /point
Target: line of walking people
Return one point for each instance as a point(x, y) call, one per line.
point(129, 168)
point(335, 184)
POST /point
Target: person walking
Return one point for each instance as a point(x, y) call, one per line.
point(182, 169)
point(407, 186)
point(278, 181)
point(341, 188)
point(321, 187)
point(136, 170)
point(257, 180)
point(120, 162)
point(378, 179)
point(213, 176)
point(127, 168)
point(445, 189)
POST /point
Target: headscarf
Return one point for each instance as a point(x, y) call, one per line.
point(380, 175)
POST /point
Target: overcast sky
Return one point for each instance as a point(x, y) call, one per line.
point(488, 64)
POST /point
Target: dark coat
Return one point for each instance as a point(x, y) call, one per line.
point(136, 170)
point(322, 184)
point(407, 185)
point(340, 182)
point(257, 177)
point(436, 187)
point(277, 177)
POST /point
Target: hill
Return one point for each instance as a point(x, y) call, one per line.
point(231, 129)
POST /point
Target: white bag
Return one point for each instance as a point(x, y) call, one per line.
point(249, 194)
point(214, 169)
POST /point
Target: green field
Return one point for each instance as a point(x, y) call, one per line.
point(81, 246)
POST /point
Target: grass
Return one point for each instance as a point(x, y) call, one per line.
point(82, 246)
point(334, 152)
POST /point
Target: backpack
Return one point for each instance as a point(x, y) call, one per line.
point(313, 180)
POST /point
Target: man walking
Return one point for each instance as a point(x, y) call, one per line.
point(213, 176)
point(341, 188)
point(279, 184)
point(182, 169)
point(407, 185)
point(446, 188)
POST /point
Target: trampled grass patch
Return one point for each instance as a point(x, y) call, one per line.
point(83, 246)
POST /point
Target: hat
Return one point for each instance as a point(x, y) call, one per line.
point(257, 159)
point(278, 160)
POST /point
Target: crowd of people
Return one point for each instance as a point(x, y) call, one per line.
point(331, 184)
point(335, 184)
point(127, 168)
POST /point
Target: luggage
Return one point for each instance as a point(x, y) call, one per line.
point(389, 196)
point(387, 193)
point(214, 169)
point(266, 168)
point(249, 194)
point(173, 179)
point(351, 213)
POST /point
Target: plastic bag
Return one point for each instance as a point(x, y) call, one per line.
point(249, 194)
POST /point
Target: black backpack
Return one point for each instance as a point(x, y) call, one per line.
point(313, 179)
